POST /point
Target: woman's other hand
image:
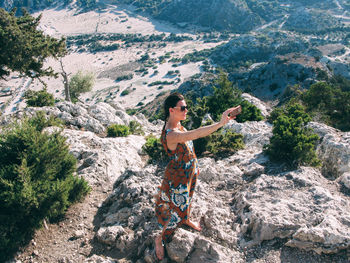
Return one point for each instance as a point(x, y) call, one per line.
point(230, 114)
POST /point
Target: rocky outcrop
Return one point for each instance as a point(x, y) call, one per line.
point(270, 80)
point(310, 20)
point(334, 150)
point(237, 201)
point(102, 160)
point(300, 205)
point(88, 117)
point(258, 48)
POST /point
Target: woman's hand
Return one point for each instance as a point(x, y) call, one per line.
point(230, 114)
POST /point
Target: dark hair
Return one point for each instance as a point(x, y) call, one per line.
point(171, 102)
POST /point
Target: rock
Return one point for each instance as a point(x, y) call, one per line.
point(79, 234)
point(102, 160)
point(263, 107)
point(316, 219)
point(105, 114)
point(180, 246)
point(333, 149)
point(109, 235)
point(256, 133)
point(345, 180)
point(99, 259)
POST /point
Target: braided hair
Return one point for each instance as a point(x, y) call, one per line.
point(170, 102)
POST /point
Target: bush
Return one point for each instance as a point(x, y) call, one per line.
point(227, 96)
point(39, 98)
point(36, 181)
point(125, 92)
point(224, 97)
point(136, 128)
point(155, 150)
point(219, 143)
point(292, 142)
point(118, 130)
point(330, 102)
point(40, 121)
point(80, 83)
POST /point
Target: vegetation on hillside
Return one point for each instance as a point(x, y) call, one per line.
point(329, 102)
point(36, 180)
point(292, 143)
point(80, 83)
point(39, 4)
point(39, 98)
point(105, 41)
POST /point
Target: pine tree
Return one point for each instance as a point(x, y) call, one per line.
point(24, 48)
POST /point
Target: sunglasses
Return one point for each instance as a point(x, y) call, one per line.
point(182, 108)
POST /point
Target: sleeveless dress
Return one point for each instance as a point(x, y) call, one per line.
point(176, 191)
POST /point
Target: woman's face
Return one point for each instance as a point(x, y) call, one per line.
point(179, 114)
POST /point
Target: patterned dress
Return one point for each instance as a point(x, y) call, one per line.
point(176, 191)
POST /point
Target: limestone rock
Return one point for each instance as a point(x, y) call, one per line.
point(180, 246)
point(99, 259)
point(102, 160)
point(256, 133)
point(301, 205)
point(333, 149)
point(345, 180)
point(263, 107)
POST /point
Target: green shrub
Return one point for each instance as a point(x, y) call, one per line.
point(118, 130)
point(226, 96)
point(292, 143)
point(80, 83)
point(125, 92)
point(219, 143)
point(39, 98)
point(36, 181)
point(155, 150)
point(330, 102)
point(136, 128)
point(40, 121)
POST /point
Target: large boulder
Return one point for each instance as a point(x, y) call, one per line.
point(333, 149)
point(102, 160)
point(301, 205)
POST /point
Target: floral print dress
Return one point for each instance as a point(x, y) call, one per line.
point(176, 191)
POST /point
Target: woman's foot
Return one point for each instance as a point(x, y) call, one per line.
point(159, 247)
point(194, 225)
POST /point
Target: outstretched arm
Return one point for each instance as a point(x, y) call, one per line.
point(175, 137)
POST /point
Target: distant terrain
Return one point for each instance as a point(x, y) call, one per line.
point(264, 47)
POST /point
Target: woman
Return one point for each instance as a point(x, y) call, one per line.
point(173, 202)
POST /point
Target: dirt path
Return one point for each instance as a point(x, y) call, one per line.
point(72, 239)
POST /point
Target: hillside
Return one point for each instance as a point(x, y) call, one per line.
point(249, 208)
point(238, 16)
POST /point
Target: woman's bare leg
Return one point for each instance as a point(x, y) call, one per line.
point(159, 247)
point(192, 224)
point(159, 243)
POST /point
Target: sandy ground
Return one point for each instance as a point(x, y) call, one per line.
point(113, 19)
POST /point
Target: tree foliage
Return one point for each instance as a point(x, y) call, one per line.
point(80, 83)
point(36, 181)
point(292, 143)
point(219, 143)
point(225, 96)
point(24, 48)
point(330, 102)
